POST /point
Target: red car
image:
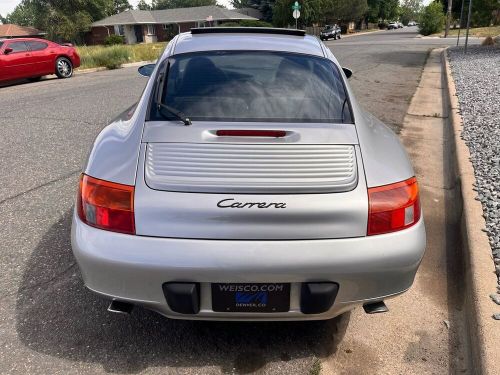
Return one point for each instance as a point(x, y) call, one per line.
point(33, 58)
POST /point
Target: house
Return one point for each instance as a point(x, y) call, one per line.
point(252, 12)
point(149, 26)
point(10, 30)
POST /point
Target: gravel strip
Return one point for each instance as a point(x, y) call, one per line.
point(477, 79)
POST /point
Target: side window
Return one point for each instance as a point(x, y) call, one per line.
point(37, 46)
point(18, 47)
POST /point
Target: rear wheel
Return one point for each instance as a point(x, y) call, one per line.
point(64, 68)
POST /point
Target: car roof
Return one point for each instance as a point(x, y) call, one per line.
point(248, 40)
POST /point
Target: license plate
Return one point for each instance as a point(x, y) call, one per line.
point(261, 297)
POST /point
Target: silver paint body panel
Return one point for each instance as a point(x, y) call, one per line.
point(133, 268)
point(196, 215)
point(250, 168)
point(184, 236)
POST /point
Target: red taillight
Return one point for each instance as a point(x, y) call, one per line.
point(250, 133)
point(106, 205)
point(393, 207)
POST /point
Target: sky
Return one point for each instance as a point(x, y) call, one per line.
point(7, 6)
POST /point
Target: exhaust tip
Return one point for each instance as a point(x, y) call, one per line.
point(120, 307)
point(375, 307)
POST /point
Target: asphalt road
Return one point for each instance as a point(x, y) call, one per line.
point(50, 324)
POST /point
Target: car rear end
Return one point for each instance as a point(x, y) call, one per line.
point(258, 210)
point(68, 50)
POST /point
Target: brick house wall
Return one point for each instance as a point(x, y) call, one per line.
point(97, 35)
point(161, 35)
point(187, 26)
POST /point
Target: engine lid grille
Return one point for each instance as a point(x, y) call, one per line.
point(250, 168)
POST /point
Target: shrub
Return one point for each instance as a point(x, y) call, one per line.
point(110, 57)
point(432, 19)
point(247, 23)
point(114, 39)
point(488, 41)
point(147, 51)
point(113, 56)
point(255, 23)
point(230, 24)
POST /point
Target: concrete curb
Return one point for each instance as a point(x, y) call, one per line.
point(480, 279)
point(102, 68)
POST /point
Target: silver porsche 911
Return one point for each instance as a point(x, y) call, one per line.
point(248, 184)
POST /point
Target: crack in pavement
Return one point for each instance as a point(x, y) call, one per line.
point(63, 177)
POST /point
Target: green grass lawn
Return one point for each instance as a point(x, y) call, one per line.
point(112, 57)
point(477, 31)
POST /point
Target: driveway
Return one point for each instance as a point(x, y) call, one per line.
point(50, 324)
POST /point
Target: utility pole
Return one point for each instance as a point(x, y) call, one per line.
point(448, 18)
point(468, 26)
point(460, 23)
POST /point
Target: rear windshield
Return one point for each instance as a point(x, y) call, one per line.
point(254, 86)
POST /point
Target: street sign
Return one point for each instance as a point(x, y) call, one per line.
point(296, 13)
point(296, 6)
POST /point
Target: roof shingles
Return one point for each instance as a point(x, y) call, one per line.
point(166, 16)
point(10, 30)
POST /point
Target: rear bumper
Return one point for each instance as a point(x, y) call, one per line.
point(134, 268)
point(75, 60)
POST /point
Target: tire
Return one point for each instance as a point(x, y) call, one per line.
point(35, 79)
point(64, 67)
point(340, 36)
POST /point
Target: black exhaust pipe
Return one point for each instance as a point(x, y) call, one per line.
point(375, 307)
point(120, 307)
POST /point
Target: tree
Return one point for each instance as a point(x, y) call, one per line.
point(119, 6)
point(346, 11)
point(172, 4)
point(238, 4)
point(142, 5)
point(310, 11)
point(432, 19)
point(410, 10)
point(266, 7)
point(382, 10)
point(61, 19)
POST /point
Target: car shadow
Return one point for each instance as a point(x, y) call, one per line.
point(57, 316)
point(20, 82)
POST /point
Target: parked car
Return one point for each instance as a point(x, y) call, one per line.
point(33, 58)
point(330, 31)
point(392, 26)
point(412, 23)
point(247, 184)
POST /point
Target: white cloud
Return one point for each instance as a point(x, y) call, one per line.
point(7, 6)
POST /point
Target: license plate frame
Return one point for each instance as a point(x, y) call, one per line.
point(251, 297)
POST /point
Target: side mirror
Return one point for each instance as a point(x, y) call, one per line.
point(347, 72)
point(7, 51)
point(146, 70)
